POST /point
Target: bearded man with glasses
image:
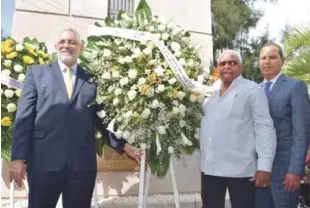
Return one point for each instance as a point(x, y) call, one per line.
point(237, 138)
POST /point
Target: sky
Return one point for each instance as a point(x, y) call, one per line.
point(7, 11)
point(278, 15)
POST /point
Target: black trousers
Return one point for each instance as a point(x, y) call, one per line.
point(45, 188)
point(213, 192)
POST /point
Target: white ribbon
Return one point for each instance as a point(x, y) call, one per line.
point(11, 83)
point(175, 66)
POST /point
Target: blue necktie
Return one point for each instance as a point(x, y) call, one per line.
point(267, 88)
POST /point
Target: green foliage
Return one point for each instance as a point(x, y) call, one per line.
point(297, 49)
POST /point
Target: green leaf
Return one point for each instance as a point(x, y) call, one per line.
point(152, 157)
point(98, 24)
point(163, 163)
point(108, 21)
point(143, 11)
point(119, 15)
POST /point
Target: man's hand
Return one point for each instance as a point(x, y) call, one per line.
point(17, 171)
point(261, 179)
point(291, 182)
point(133, 152)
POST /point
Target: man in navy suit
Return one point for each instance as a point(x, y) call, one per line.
point(54, 130)
point(289, 108)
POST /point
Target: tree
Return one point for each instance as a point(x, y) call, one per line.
point(297, 49)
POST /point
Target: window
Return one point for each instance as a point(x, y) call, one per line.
point(114, 6)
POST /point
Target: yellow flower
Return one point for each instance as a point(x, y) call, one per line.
point(31, 51)
point(7, 46)
point(28, 60)
point(145, 89)
point(41, 61)
point(6, 121)
point(11, 55)
point(115, 68)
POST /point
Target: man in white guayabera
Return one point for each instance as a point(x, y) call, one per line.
point(237, 138)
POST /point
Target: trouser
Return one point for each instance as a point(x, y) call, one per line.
point(241, 192)
point(45, 187)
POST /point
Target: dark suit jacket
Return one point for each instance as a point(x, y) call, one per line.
point(51, 131)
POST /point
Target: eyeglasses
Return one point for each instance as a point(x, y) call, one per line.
point(230, 63)
point(69, 42)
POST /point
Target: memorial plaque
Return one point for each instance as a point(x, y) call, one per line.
point(112, 161)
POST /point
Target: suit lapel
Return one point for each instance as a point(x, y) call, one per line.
point(57, 73)
point(277, 86)
point(79, 81)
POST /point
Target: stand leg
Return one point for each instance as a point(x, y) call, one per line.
point(59, 203)
point(96, 195)
point(174, 186)
point(12, 194)
point(147, 187)
point(141, 181)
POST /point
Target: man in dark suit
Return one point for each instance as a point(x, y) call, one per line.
point(54, 130)
point(289, 108)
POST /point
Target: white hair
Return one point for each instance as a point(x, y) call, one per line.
point(233, 53)
point(70, 29)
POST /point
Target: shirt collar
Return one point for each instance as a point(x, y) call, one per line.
point(273, 80)
point(62, 67)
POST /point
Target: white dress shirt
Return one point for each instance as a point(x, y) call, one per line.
point(237, 136)
point(63, 67)
point(273, 80)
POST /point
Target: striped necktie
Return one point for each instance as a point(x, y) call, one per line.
point(68, 81)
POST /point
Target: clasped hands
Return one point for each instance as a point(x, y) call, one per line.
point(262, 180)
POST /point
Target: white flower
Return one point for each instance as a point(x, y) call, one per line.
point(182, 108)
point(8, 93)
point(185, 140)
point(131, 139)
point(118, 134)
point(159, 71)
point(21, 77)
point(145, 22)
point(7, 63)
point(182, 61)
point(128, 59)
point(11, 107)
point(126, 134)
point(121, 60)
point(141, 81)
point(182, 123)
point(125, 16)
point(106, 53)
point(6, 72)
point(155, 104)
point(134, 87)
point(132, 73)
point(18, 93)
point(151, 45)
point(143, 146)
point(165, 36)
point(161, 28)
point(124, 81)
point(115, 101)
point(152, 62)
point(18, 68)
point(197, 135)
point(172, 81)
point(161, 88)
point(191, 63)
point(151, 28)
point(170, 150)
point(136, 52)
point(181, 95)
point(19, 47)
point(161, 130)
point(106, 75)
point(128, 115)
point(110, 88)
point(101, 114)
point(132, 94)
point(177, 53)
point(147, 71)
point(146, 113)
point(175, 110)
point(118, 91)
point(147, 51)
point(193, 98)
point(115, 74)
point(175, 46)
point(117, 41)
point(176, 30)
point(98, 135)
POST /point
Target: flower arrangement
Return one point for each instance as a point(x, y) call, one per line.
point(15, 58)
point(142, 97)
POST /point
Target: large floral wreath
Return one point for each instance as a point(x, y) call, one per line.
point(141, 94)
